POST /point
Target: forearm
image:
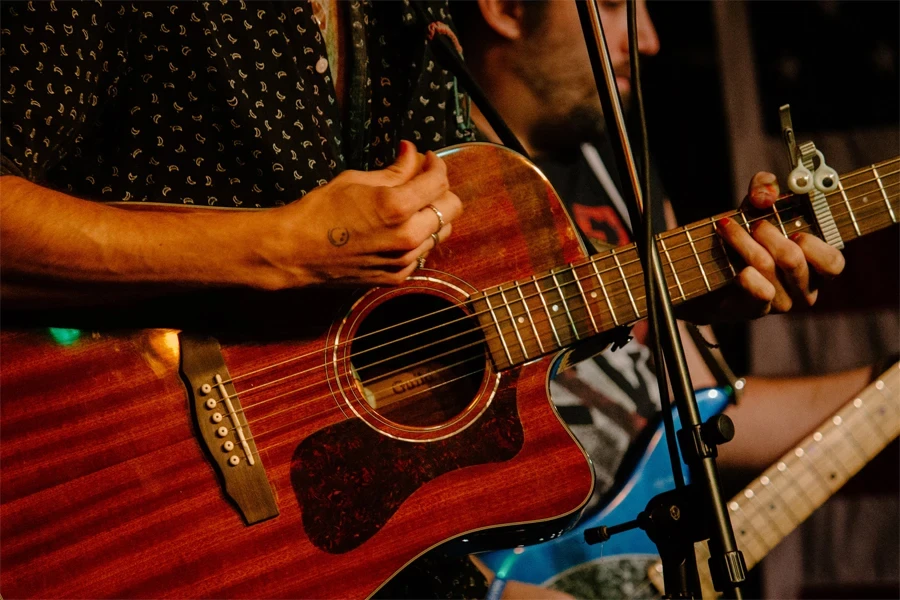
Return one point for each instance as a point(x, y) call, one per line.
point(774, 414)
point(54, 246)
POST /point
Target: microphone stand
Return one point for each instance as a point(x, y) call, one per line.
point(672, 535)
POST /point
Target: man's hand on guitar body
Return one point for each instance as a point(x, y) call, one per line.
point(365, 227)
point(777, 274)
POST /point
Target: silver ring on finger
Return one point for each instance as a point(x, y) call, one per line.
point(420, 262)
point(440, 217)
point(436, 239)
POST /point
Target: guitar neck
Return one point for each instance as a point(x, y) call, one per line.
point(787, 493)
point(553, 310)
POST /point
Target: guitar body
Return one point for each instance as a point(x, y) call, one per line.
point(617, 568)
point(116, 480)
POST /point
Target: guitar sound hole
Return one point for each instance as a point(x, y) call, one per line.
point(419, 360)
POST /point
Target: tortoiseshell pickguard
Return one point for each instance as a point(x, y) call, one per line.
point(350, 479)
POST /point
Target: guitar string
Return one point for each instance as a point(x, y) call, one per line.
point(528, 334)
point(425, 390)
point(775, 211)
point(593, 260)
point(506, 319)
point(479, 342)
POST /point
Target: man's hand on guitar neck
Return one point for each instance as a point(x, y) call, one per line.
point(777, 274)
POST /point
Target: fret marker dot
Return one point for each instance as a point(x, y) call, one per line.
point(879, 385)
point(593, 294)
point(837, 420)
point(857, 403)
point(521, 319)
point(782, 467)
point(764, 480)
point(865, 199)
point(799, 452)
point(734, 506)
point(817, 436)
point(748, 493)
point(798, 224)
point(555, 308)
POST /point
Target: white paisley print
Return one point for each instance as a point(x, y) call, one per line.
point(225, 103)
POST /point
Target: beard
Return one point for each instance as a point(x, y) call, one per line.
point(562, 133)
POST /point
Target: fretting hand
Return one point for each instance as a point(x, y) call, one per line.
point(778, 268)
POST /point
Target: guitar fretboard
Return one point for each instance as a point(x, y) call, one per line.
point(552, 310)
point(788, 492)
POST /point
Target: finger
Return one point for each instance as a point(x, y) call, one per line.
point(404, 167)
point(823, 258)
point(756, 301)
point(427, 186)
point(763, 190)
point(426, 222)
point(792, 269)
point(757, 256)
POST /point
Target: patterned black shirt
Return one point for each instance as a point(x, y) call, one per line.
point(225, 103)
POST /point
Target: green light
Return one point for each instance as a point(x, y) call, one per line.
point(65, 337)
point(503, 571)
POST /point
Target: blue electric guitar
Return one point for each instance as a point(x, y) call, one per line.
point(773, 505)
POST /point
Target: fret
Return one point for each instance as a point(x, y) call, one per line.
point(877, 424)
point(530, 319)
point(487, 300)
point(821, 491)
point(842, 448)
point(777, 214)
point(546, 310)
point(562, 297)
point(776, 510)
point(849, 209)
point(826, 479)
point(848, 438)
point(807, 481)
point(747, 535)
point(587, 304)
point(759, 519)
point(662, 242)
point(637, 314)
point(884, 194)
point(861, 429)
point(605, 295)
point(746, 222)
point(512, 320)
point(792, 497)
point(699, 263)
point(712, 221)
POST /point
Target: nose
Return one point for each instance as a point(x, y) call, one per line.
point(648, 41)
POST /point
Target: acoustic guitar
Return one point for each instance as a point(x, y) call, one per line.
point(312, 443)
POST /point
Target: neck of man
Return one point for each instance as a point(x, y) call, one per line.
point(512, 98)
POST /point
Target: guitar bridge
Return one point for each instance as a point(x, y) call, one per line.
point(223, 428)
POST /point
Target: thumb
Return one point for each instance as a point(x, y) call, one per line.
point(406, 165)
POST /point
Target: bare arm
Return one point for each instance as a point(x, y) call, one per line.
point(56, 248)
